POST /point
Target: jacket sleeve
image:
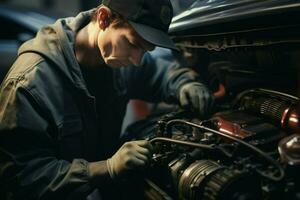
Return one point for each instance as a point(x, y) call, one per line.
point(158, 78)
point(29, 166)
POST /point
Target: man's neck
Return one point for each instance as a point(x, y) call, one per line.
point(86, 47)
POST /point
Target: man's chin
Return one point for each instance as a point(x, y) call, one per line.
point(117, 64)
point(113, 64)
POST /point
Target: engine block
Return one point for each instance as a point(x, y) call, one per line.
point(251, 151)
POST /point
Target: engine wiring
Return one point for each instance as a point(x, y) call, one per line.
point(192, 144)
point(268, 158)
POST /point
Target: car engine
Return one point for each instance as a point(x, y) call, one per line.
point(247, 149)
point(250, 151)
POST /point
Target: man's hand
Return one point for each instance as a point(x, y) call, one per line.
point(131, 155)
point(197, 97)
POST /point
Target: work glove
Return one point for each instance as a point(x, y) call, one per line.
point(197, 97)
point(132, 155)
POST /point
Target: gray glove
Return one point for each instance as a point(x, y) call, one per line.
point(131, 155)
point(197, 97)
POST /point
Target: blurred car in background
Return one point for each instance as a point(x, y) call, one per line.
point(17, 26)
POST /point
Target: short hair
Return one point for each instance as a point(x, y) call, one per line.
point(116, 18)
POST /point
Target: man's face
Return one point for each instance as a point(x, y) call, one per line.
point(121, 46)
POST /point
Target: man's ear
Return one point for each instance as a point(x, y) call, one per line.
point(103, 17)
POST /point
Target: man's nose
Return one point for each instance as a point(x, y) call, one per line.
point(136, 56)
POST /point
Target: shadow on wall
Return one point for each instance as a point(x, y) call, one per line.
point(62, 7)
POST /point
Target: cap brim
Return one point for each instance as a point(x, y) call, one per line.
point(154, 36)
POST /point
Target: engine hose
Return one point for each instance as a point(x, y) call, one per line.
point(268, 158)
point(193, 144)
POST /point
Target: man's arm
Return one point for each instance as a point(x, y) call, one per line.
point(162, 78)
point(31, 167)
point(158, 77)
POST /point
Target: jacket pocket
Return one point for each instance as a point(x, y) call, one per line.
point(71, 125)
point(70, 139)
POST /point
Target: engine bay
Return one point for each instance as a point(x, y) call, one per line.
point(249, 151)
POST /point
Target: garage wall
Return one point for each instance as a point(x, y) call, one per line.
point(59, 6)
point(72, 7)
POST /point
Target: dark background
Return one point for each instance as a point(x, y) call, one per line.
point(63, 7)
point(67, 7)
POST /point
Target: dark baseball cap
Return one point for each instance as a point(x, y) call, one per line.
point(149, 18)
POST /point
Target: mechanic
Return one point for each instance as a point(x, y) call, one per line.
point(64, 99)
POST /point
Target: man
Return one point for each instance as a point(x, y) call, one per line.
point(63, 101)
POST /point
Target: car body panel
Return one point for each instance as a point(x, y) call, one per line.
point(209, 12)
